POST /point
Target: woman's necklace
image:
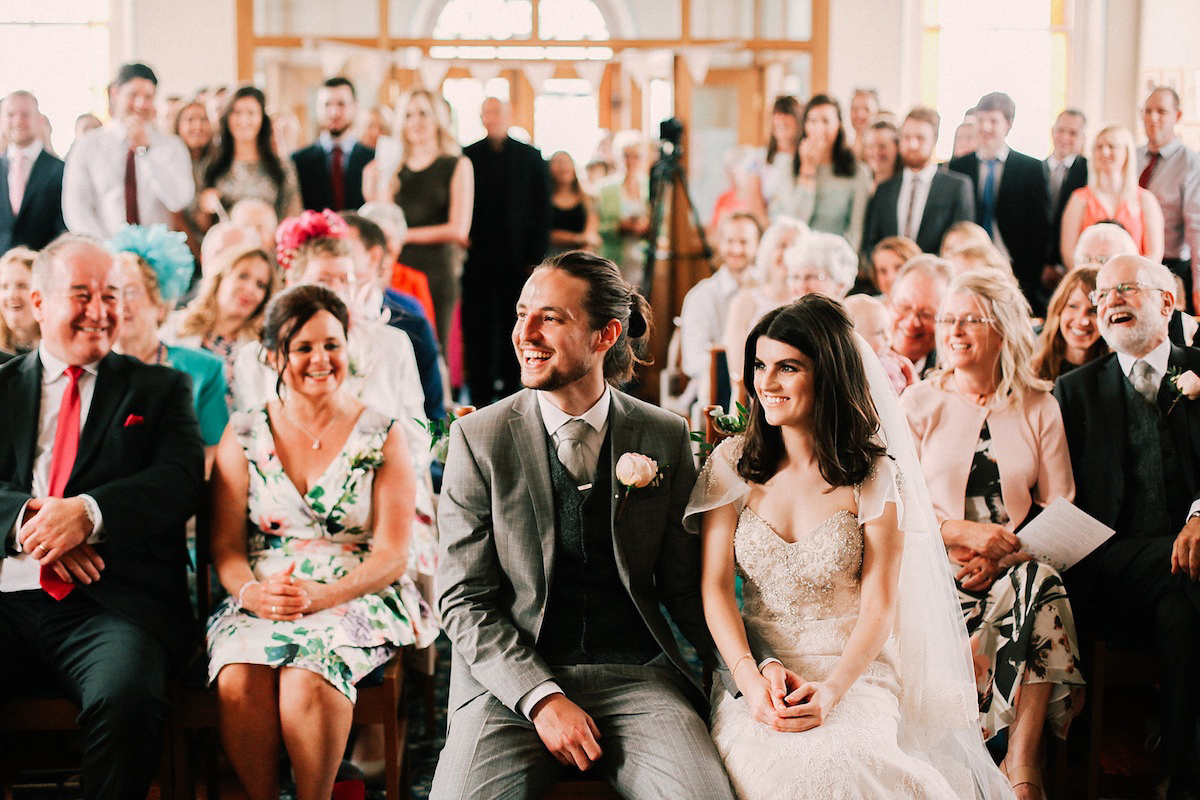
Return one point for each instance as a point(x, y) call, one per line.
point(316, 440)
point(978, 398)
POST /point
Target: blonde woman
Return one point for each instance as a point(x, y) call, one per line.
point(19, 332)
point(437, 195)
point(1113, 194)
point(992, 447)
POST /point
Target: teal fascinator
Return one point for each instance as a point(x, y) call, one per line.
point(164, 250)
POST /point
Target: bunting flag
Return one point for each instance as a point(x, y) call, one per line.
point(333, 58)
point(432, 72)
point(591, 71)
point(634, 64)
point(538, 72)
point(483, 70)
point(698, 60)
point(408, 57)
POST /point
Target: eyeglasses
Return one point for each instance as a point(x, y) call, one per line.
point(810, 277)
point(925, 316)
point(1083, 261)
point(1123, 291)
point(967, 321)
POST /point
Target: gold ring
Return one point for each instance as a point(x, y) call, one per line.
point(274, 609)
point(39, 548)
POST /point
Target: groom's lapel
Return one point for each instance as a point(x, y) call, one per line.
point(529, 434)
point(623, 421)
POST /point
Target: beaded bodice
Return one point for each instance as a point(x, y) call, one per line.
point(816, 577)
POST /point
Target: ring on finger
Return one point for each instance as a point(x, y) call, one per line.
point(274, 609)
point(41, 548)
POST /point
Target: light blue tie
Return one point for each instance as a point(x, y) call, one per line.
point(987, 206)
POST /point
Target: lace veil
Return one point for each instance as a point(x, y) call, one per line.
point(939, 712)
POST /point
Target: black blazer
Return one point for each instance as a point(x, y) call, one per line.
point(142, 459)
point(1076, 178)
point(1022, 213)
point(950, 201)
point(312, 169)
point(1093, 408)
point(40, 219)
point(510, 227)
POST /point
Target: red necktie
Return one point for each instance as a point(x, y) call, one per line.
point(62, 460)
point(337, 180)
point(1149, 170)
point(131, 200)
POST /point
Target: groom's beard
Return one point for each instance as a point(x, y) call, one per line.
point(557, 378)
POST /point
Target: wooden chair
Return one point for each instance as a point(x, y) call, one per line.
point(194, 705)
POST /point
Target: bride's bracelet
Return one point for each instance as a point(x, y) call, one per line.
point(738, 663)
point(242, 592)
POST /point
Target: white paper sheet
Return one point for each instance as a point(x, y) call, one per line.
point(1062, 535)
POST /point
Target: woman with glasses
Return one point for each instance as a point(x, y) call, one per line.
point(1070, 338)
point(1113, 193)
point(1016, 609)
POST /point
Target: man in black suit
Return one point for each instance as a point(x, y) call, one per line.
point(1135, 451)
point(1066, 170)
point(922, 202)
point(31, 203)
point(101, 464)
point(1012, 201)
point(510, 230)
point(331, 170)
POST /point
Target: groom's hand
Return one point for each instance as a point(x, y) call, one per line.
point(567, 731)
point(783, 682)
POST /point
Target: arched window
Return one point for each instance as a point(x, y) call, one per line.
point(1020, 47)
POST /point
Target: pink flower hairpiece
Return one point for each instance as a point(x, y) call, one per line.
point(293, 232)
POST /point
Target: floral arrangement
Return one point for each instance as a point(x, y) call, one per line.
point(293, 232)
point(439, 432)
point(164, 250)
point(1185, 385)
point(724, 424)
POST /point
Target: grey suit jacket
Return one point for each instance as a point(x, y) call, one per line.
point(497, 529)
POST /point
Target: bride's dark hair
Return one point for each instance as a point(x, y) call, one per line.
point(844, 420)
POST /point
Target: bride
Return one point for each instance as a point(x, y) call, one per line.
point(849, 654)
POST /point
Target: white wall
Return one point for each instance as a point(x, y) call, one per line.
point(872, 44)
point(188, 43)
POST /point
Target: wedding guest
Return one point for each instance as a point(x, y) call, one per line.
point(404, 279)
point(623, 204)
point(228, 309)
point(1066, 170)
point(839, 655)
point(961, 233)
point(375, 126)
point(127, 172)
point(581, 671)
point(777, 174)
point(259, 216)
point(823, 263)
point(972, 257)
point(155, 267)
point(245, 164)
point(31, 208)
point(313, 504)
point(193, 129)
point(742, 193)
point(702, 320)
point(437, 195)
point(831, 188)
point(1112, 193)
point(1139, 477)
point(864, 108)
point(1016, 609)
point(767, 289)
point(19, 332)
point(914, 300)
point(331, 169)
point(873, 321)
point(1070, 337)
point(887, 257)
point(881, 151)
point(93, 589)
point(574, 224)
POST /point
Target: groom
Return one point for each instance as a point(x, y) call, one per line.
point(552, 573)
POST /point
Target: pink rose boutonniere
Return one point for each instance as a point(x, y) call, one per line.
point(1186, 386)
point(634, 471)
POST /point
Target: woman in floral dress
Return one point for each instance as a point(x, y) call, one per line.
point(319, 597)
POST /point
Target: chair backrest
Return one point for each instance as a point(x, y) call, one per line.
point(720, 389)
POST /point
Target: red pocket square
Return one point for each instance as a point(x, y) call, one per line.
point(134, 419)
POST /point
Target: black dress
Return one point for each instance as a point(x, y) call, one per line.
point(573, 219)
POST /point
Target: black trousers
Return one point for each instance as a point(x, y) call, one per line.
point(489, 312)
point(1126, 593)
point(115, 670)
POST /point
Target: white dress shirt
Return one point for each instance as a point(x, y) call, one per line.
point(924, 180)
point(22, 571)
point(94, 181)
point(345, 143)
point(29, 154)
point(554, 418)
point(702, 325)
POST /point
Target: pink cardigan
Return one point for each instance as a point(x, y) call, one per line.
point(1028, 443)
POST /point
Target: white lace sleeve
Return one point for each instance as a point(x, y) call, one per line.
point(881, 487)
point(718, 484)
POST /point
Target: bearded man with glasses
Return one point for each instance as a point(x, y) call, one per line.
point(1133, 431)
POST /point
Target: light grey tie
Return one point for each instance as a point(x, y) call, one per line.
point(1142, 381)
point(571, 452)
point(911, 216)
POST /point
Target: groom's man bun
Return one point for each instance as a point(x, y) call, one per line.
point(609, 297)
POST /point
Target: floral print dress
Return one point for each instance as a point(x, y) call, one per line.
point(326, 533)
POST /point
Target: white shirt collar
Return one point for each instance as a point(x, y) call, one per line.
point(726, 281)
point(554, 417)
point(1156, 358)
point(53, 367)
point(345, 142)
point(1053, 162)
point(924, 174)
point(30, 151)
point(1001, 155)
